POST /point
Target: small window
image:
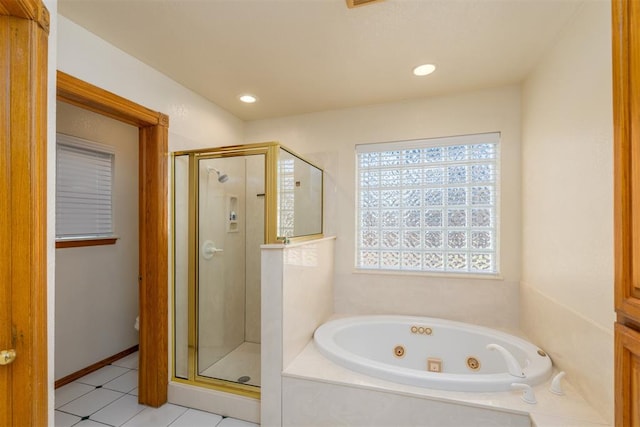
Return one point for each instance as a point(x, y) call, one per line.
point(429, 205)
point(84, 183)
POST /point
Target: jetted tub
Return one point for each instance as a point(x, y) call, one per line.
point(433, 353)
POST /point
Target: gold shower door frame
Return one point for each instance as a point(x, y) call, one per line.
point(271, 151)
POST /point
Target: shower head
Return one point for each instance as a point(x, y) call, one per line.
point(221, 178)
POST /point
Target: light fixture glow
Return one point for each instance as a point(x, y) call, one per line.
point(248, 99)
point(424, 69)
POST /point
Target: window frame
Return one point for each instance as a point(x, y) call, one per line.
point(470, 139)
point(83, 240)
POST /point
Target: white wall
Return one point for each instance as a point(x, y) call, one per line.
point(567, 281)
point(193, 121)
point(329, 140)
point(97, 286)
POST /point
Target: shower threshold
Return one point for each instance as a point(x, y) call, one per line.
point(242, 365)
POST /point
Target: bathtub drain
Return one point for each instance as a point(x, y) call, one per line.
point(243, 379)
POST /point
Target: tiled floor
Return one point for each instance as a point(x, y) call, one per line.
point(108, 397)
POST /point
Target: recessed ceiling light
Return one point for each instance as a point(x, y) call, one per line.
point(424, 69)
point(249, 99)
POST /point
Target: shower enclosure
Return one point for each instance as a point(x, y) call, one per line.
point(227, 202)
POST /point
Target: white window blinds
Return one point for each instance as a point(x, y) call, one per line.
point(84, 183)
point(429, 205)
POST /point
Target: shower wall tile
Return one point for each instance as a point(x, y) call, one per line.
point(297, 282)
point(316, 403)
point(313, 367)
point(271, 355)
point(575, 344)
point(307, 293)
point(221, 285)
point(486, 302)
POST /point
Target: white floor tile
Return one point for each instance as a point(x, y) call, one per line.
point(71, 391)
point(232, 422)
point(157, 417)
point(119, 412)
point(124, 383)
point(89, 423)
point(116, 403)
point(65, 420)
point(195, 418)
point(91, 402)
point(103, 375)
point(130, 361)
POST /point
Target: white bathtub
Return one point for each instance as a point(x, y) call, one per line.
point(403, 349)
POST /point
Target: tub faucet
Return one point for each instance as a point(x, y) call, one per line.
point(512, 364)
point(527, 392)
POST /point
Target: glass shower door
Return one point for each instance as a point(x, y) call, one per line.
point(230, 232)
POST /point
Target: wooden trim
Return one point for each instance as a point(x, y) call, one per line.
point(94, 367)
point(153, 145)
point(88, 242)
point(85, 95)
point(626, 127)
point(154, 365)
point(23, 184)
point(627, 348)
point(32, 10)
point(626, 63)
point(622, 166)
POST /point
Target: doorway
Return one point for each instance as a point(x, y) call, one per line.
point(152, 210)
point(96, 275)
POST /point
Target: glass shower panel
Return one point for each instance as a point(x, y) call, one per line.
point(181, 265)
point(230, 232)
point(299, 196)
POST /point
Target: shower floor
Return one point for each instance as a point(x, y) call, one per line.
point(243, 361)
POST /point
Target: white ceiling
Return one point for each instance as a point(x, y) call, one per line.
point(301, 56)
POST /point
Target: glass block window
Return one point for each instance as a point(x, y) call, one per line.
point(429, 205)
point(286, 187)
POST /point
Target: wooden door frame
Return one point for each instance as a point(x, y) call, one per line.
point(153, 245)
point(626, 165)
point(626, 126)
point(24, 35)
point(23, 181)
